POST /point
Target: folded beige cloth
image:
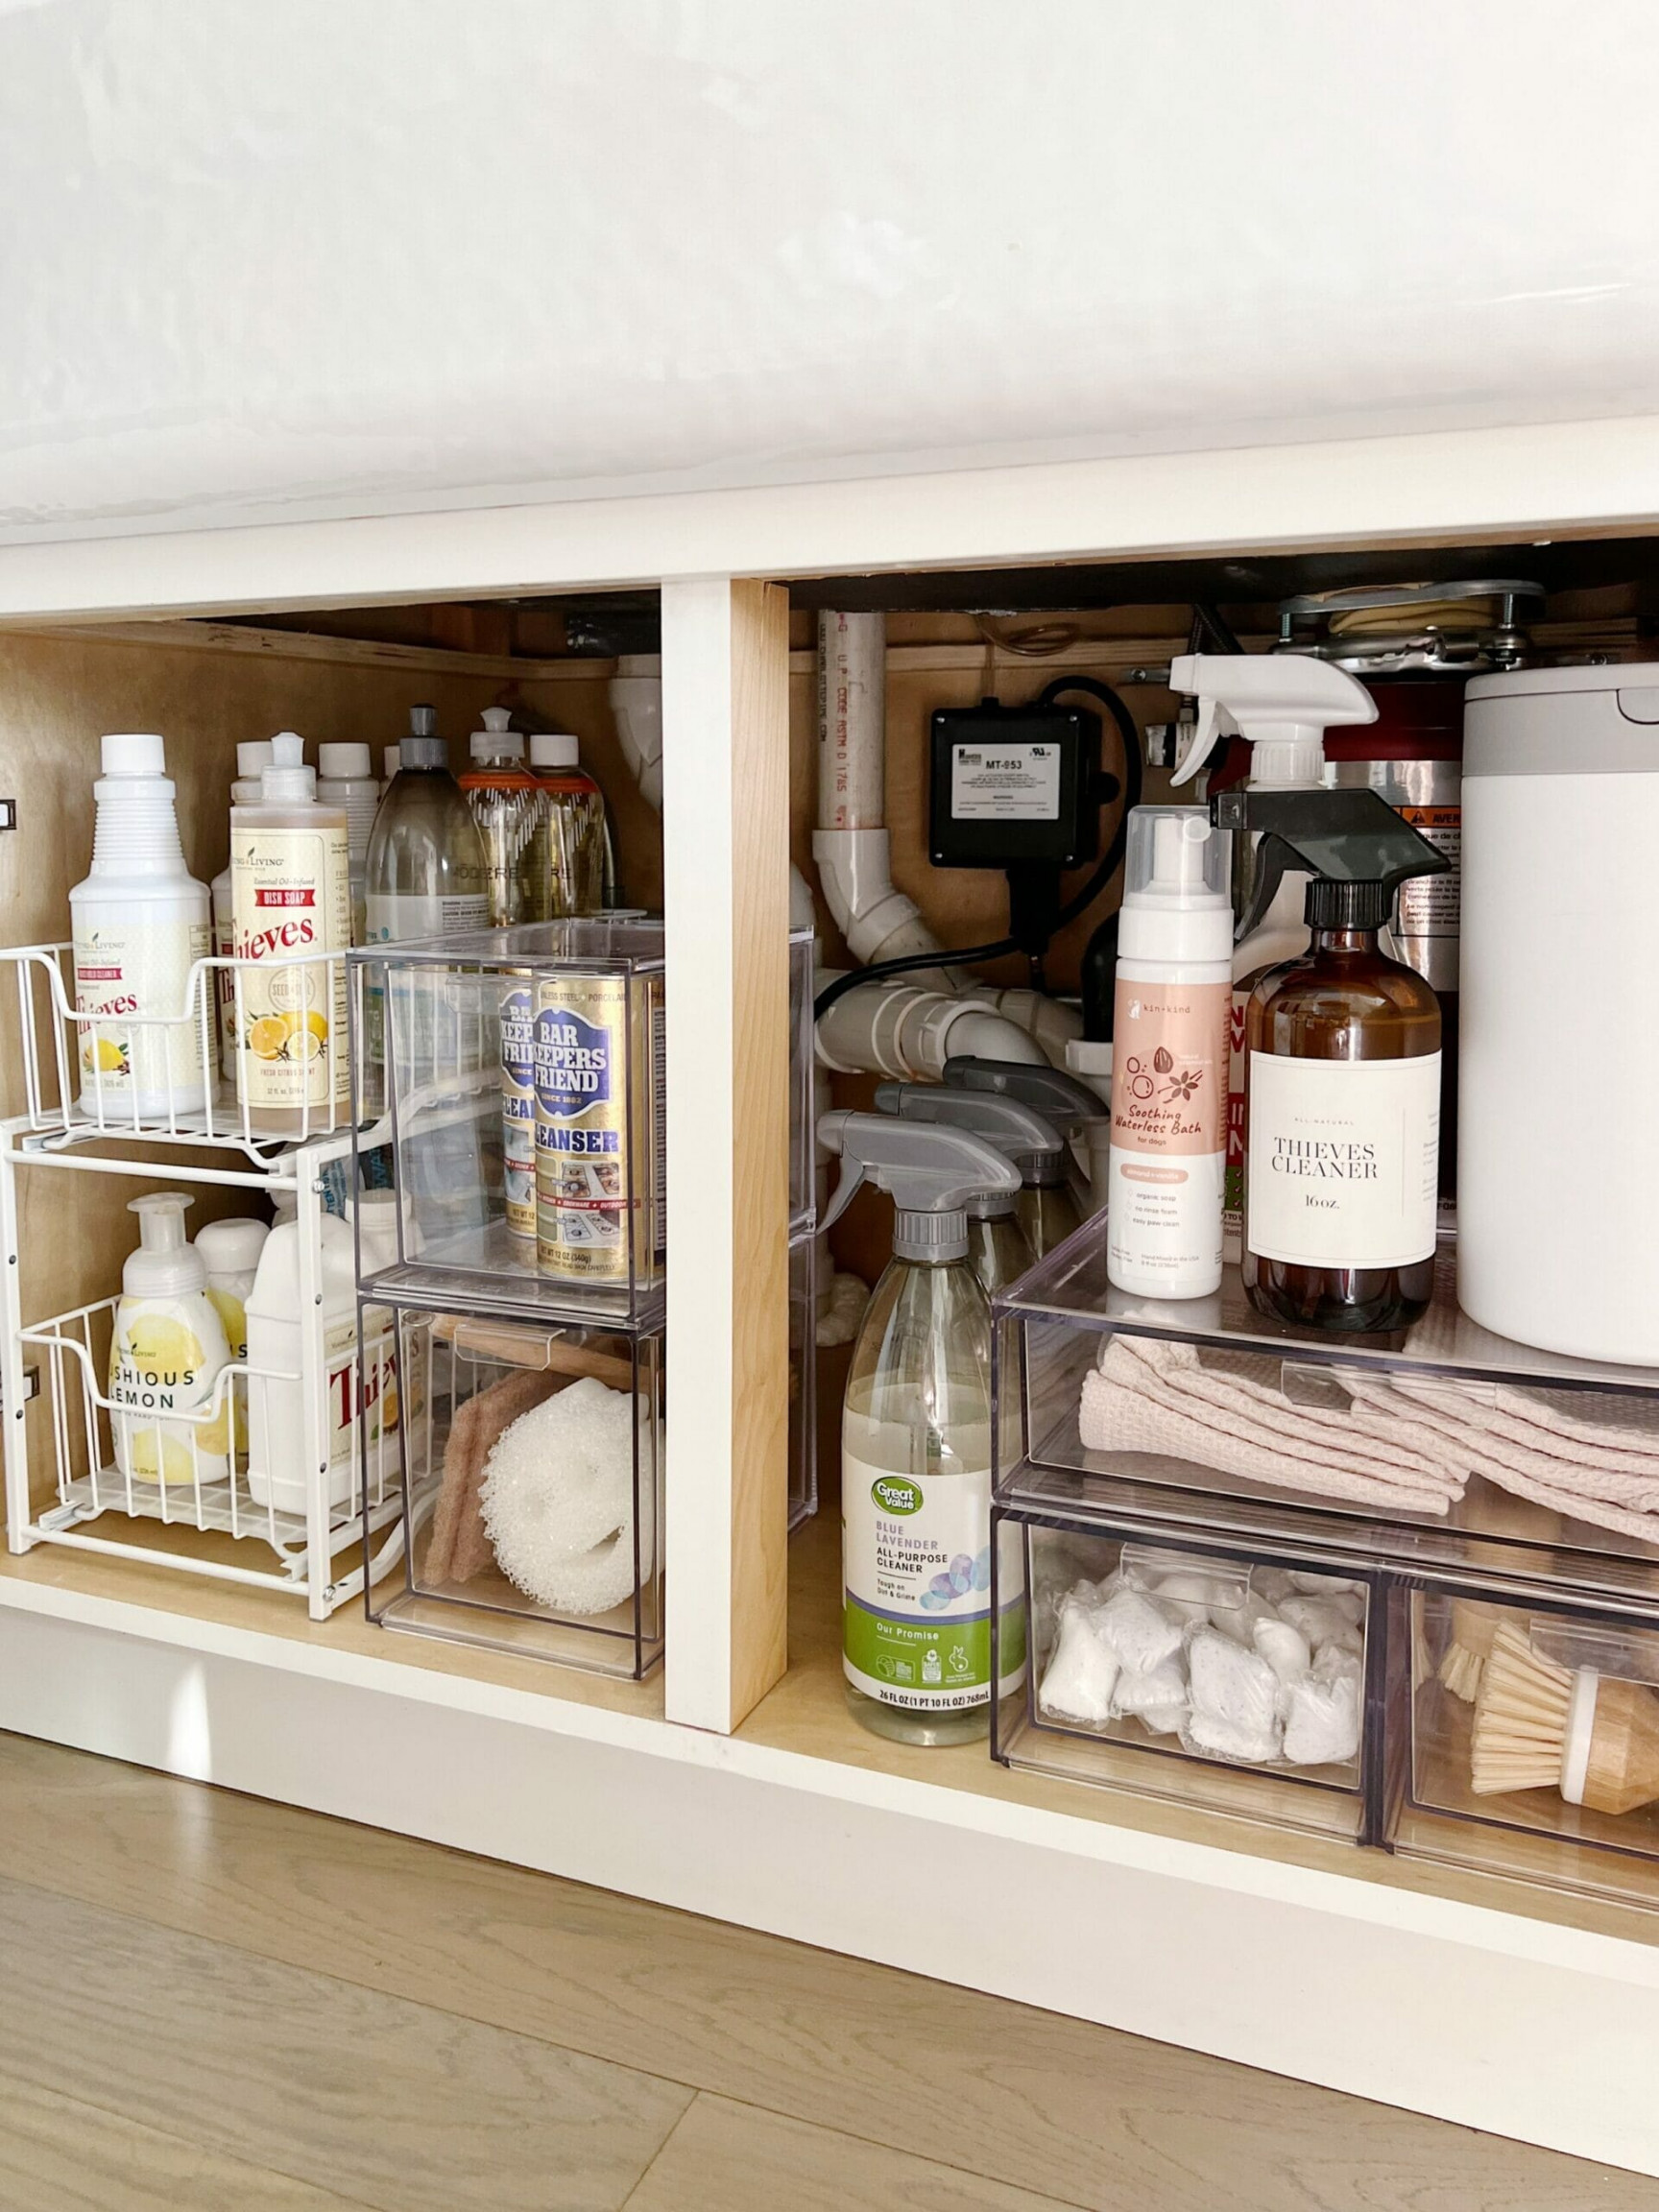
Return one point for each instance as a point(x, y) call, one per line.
point(1526, 1443)
point(459, 1546)
point(1227, 1411)
point(1403, 1441)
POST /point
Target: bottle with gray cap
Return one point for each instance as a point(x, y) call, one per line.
point(916, 1442)
point(1046, 1210)
point(998, 1250)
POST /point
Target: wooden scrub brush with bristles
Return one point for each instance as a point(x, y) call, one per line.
point(1465, 1659)
point(1541, 1726)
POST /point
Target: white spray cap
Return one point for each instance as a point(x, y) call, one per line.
point(286, 778)
point(252, 758)
point(164, 1265)
point(1176, 898)
point(132, 753)
point(342, 763)
point(555, 749)
point(231, 1247)
point(1284, 704)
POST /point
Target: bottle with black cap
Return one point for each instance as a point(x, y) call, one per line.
point(1342, 1095)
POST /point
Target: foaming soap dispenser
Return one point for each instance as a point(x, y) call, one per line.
point(916, 1442)
point(1282, 704)
point(1170, 1053)
point(166, 1357)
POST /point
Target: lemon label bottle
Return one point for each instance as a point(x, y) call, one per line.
point(170, 1416)
point(290, 889)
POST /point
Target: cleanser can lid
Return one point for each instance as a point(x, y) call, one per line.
point(132, 753)
point(231, 1247)
point(555, 749)
point(340, 764)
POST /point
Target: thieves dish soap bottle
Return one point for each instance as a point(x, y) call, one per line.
point(1343, 1096)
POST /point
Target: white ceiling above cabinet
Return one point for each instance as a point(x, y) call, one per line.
point(305, 260)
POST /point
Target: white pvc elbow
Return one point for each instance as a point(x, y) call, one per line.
point(908, 1034)
point(1049, 1021)
point(879, 921)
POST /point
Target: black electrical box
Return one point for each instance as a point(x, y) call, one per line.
point(1013, 786)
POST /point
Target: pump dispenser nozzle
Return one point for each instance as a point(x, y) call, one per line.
point(165, 1265)
point(931, 1173)
point(1026, 1139)
point(1284, 705)
point(1357, 848)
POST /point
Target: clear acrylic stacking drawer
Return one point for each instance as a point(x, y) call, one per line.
point(521, 1074)
point(1440, 1448)
point(1245, 1683)
point(535, 1526)
point(1533, 1739)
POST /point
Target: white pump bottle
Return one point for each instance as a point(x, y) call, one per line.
point(1283, 704)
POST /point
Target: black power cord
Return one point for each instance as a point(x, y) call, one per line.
point(1111, 861)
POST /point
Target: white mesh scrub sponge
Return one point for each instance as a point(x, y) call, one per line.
point(558, 1501)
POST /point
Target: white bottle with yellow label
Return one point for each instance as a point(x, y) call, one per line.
point(165, 1360)
point(290, 880)
point(140, 923)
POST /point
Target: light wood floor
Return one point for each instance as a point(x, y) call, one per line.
point(209, 2003)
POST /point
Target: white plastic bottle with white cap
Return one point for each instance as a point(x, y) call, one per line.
point(1169, 1057)
point(573, 843)
point(166, 1357)
point(252, 755)
point(291, 894)
point(140, 920)
point(345, 777)
point(1283, 704)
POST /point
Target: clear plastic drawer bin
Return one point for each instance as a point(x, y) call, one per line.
point(1247, 1685)
point(1534, 1742)
point(521, 1074)
point(539, 1528)
point(1439, 1448)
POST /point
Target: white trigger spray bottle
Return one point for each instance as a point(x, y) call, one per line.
point(916, 1443)
point(1283, 704)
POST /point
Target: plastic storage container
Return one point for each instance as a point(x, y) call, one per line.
point(544, 1539)
point(803, 1377)
point(1440, 1447)
point(1533, 1739)
point(584, 1236)
point(1246, 1682)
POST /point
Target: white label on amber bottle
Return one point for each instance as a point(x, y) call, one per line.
point(1343, 1158)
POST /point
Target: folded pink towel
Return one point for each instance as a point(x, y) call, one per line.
point(1227, 1412)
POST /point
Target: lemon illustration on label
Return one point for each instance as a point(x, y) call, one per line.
point(163, 1346)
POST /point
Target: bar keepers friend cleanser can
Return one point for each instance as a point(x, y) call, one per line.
point(599, 1129)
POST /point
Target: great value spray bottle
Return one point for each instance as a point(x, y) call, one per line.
point(1167, 1161)
point(916, 1443)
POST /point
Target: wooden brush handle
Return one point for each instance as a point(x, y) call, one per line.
point(1622, 1772)
point(522, 1345)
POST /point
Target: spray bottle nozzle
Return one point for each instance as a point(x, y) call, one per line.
point(1282, 704)
point(1019, 1132)
point(1353, 844)
point(930, 1172)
